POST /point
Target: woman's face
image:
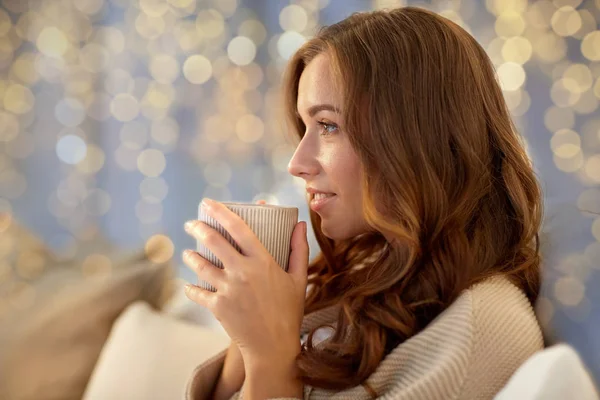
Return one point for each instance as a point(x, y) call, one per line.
point(324, 158)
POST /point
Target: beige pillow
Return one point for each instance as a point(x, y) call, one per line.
point(54, 323)
point(151, 355)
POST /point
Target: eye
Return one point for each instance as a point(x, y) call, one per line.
point(327, 128)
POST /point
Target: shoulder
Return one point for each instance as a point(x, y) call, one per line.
point(505, 334)
point(502, 314)
point(469, 351)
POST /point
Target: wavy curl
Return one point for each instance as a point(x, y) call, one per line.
point(448, 180)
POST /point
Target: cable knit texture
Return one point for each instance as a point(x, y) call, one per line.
point(468, 352)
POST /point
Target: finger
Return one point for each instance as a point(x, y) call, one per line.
point(203, 268)
point(199, 295)
point(298, 262)
point(235, 226)
point(214, 241)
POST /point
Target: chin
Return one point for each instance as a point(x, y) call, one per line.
point(339, 232)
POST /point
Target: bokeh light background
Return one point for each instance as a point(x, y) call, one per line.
point(118, 116)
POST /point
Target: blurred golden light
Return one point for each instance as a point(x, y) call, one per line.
point(6, 52)
point(561, 94)
point(578, 78)
point(569, 164)
point(250, 128)
point(96, 266)
point(227, 7)
point(182, 3)
point(569, 291)
point(93, 161)
point(52, 42)
point(186, 35)
point(210, 23)
point(124, 107)
point(549, 47)
point(149, 27)
point(151, 162)
point(164, 68)
point(566, 21)
point(588, 24)
point(217, 129)
point(587, 103)
point(590, 46)
point(78, 81)
point(89, 7)
point(517, 49)
point(596, 88)
point(592, 168)
point(18, 99)
point(293, 18)
point(556, 118)
point(154, 8)
point(5, 22)
point(94, 57)
point(511, 75)
point(9, 126)
point(49, 68)
point(165, 132)
point(509, 24)
point(153, 190)
point(23, 68)
point(157, 100)
point(498, 7)
point(254, 30)
point(197, 69)
point(111, 38)
point(241, 50)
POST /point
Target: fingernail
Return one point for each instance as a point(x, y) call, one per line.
point(189, 226)
point(207, 203)
point(187, 288)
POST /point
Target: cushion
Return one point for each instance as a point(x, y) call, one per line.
point(151, 355)
point(556, 373)
point(58, 313)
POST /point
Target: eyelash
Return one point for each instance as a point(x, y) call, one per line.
point(325, 125)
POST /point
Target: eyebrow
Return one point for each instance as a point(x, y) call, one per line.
point(312, 110)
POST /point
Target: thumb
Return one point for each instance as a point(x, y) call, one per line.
point(298, 263)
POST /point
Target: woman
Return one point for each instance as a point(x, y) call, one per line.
point(426, 210)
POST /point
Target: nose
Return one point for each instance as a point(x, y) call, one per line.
point(304, 163)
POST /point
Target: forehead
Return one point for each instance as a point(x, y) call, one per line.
point(316, 85)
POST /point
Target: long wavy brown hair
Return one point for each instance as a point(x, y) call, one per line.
point(446, 177)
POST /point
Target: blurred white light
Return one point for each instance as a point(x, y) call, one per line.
point(71, 149)
point(288, 43)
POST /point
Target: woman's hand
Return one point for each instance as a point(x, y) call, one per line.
point(258, 304)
